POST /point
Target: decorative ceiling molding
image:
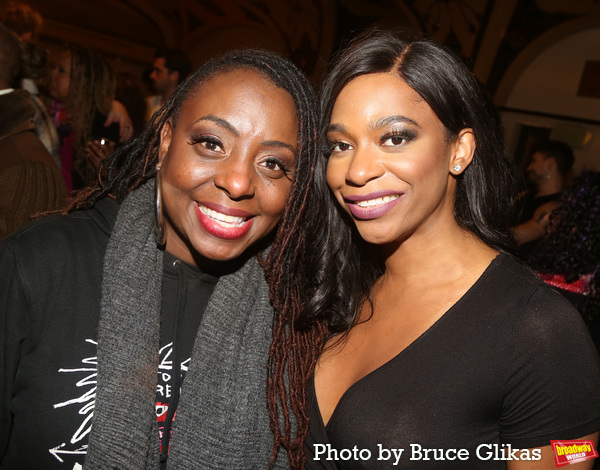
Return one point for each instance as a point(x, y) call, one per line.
point(68, 33)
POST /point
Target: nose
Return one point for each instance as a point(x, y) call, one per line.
point(236, 177)
point(364, 167)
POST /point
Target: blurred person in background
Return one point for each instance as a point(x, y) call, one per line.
point(568, 255)
point(81, 87)
point(30, 181)
point(129, 92)
point(26, 23)
point(551, 161)
point(170, 68)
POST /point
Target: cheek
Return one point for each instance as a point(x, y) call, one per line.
point(335, 173)
point(274, 199)
point(64, 86)
point(182, 170)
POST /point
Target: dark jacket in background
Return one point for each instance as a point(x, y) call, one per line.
point(30, 180)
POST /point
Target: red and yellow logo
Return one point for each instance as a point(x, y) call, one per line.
point(567, 452)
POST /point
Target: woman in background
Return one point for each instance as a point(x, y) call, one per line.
point(81, 86)
point(439, 338)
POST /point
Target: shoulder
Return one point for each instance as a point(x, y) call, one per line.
point(530, 299)
point(23, 146)
point(58, 237)
point(546, 358)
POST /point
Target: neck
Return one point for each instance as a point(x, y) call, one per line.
point(551, 185)
point(423, 260)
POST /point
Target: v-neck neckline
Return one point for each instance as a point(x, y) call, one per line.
point(421, 338)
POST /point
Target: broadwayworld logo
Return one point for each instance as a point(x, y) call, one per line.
point(567, 452)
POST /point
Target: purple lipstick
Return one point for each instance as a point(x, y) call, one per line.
point(372, 205)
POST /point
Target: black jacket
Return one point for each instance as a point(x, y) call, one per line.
point(49, 304)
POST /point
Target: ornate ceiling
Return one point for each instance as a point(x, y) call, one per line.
point(490, 34)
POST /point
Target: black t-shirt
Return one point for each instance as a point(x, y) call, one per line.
point(510, 363)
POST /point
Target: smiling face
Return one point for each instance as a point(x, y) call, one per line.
point(391, 166)
point(226, 166)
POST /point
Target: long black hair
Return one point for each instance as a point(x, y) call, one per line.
point(293, 352)
point(483, 191)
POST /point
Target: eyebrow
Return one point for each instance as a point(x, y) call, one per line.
point(220, 122)
point(378, 124)
point(337, 128)
point(227, 125)
point(386, 121)
point(278, 144)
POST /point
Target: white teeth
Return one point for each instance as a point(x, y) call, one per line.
point(223, 219)
point(376, 202)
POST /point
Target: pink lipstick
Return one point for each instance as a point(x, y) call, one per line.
point(223, 222)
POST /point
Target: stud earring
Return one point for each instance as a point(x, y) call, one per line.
point(159, 221)
point(457, 168)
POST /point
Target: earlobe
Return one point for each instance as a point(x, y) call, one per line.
point(166, 134)
point(464, 150)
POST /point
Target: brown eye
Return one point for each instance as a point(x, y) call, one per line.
point(210, 146)
point(340, 147)
point(275, 167)
point(397, 138)
point(210, 143)
point(393, 141)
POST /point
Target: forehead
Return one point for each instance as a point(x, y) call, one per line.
point(375, 95)
point(244, 84)
point(245, 97)
point(537, 156)
point(64, 57)
point(159, 63)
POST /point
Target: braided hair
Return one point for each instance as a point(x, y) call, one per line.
point(293, 351)
point(91, 90)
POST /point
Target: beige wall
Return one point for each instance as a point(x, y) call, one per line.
point(549, 84)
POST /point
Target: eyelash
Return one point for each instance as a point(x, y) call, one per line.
point(206, 139)
point(282, 166)
point(334, 144)
point(406, 136)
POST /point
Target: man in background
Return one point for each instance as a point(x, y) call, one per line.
point(170, 68)
point(550, 163)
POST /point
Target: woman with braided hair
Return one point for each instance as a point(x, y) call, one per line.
point(81, 88)
point(182, 261)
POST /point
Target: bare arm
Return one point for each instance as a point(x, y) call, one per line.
point(119, 114)
point(536, 226)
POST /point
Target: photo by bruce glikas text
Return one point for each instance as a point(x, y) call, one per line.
point(417, 452)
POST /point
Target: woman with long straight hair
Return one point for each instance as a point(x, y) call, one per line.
point(439, 339)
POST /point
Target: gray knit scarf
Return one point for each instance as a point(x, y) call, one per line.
point(222, 421)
